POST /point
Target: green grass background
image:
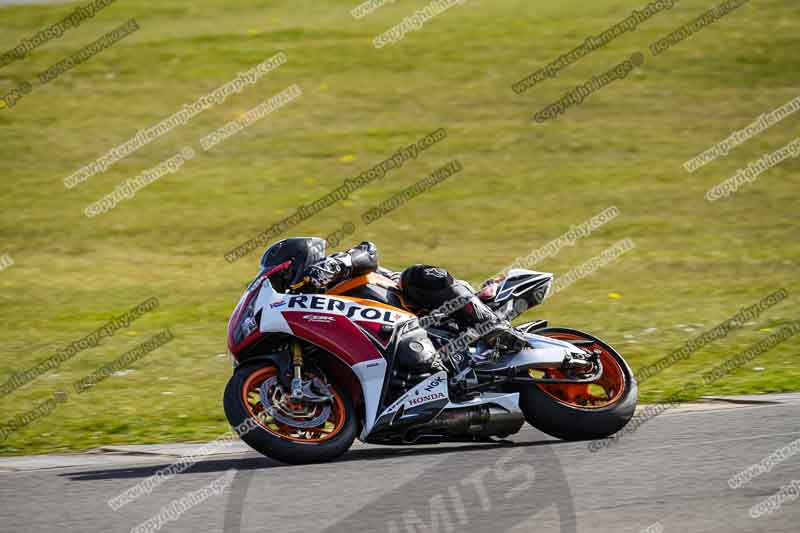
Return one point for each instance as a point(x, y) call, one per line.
point(523, 184)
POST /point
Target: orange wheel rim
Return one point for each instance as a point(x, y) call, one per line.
point(251, 397)
point(603, 392)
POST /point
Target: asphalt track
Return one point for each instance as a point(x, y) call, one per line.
point(669, 475)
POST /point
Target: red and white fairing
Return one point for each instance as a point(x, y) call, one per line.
point(349, 328)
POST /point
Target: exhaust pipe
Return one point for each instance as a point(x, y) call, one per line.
point(469, 424)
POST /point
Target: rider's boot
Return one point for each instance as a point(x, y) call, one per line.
point(492, 330)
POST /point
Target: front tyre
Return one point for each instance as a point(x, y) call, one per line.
point(582, 411)
point(288, 431)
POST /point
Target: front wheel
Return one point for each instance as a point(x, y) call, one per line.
point(582, 411)
point(289, 431)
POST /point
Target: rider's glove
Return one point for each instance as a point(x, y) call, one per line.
point(328, 271)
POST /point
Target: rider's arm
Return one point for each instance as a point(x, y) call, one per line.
point(391, 274)
point(364, 258)
point(356, 261)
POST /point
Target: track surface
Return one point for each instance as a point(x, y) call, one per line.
point(673, 471)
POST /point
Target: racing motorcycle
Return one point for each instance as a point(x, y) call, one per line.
point(314, 370)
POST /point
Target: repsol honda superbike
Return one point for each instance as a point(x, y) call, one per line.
point(315, 371)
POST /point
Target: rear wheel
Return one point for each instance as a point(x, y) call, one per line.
point(283, 429)
point(582, 411)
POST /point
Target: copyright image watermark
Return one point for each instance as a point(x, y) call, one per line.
point(771, 504)
point(765, 465)
point(414, 22)
point(129, 189)
point(517, 479)
point(47, 407)
point(13, 96)
point(6, 261)
point(753, 171)
point(175, 509)
point(29, 417)
point(185, 462)
point(577, 95)
point(653, 528)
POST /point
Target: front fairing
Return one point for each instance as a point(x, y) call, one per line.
point(330, 322)
point(252, 316)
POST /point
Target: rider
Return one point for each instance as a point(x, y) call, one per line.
point(424, 288)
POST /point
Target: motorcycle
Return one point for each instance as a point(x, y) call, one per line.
point(313, 371)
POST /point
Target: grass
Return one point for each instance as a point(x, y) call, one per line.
point(522, 185)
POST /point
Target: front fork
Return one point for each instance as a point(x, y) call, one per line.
point(313, 390)
point(297, 370)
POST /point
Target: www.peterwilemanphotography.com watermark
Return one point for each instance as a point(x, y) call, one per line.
point(758, 126)
point(47, 407)
point(365, 8)
point(592, 43)
point(720, 331)
point(569, 238)
point(79, 15)
point(304, 212)
point(149, 484)
point(23, 377)
point(691, 389)
point(123, 361)
point(147, 135)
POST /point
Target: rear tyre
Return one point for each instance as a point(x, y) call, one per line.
point(581, 412)
point(283, 438)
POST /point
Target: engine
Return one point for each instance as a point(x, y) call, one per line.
point(415, 360)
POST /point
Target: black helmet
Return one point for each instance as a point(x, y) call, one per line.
point(301, 251)
point(426, 286)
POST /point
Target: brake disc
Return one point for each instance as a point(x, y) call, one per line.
point(283, 418)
